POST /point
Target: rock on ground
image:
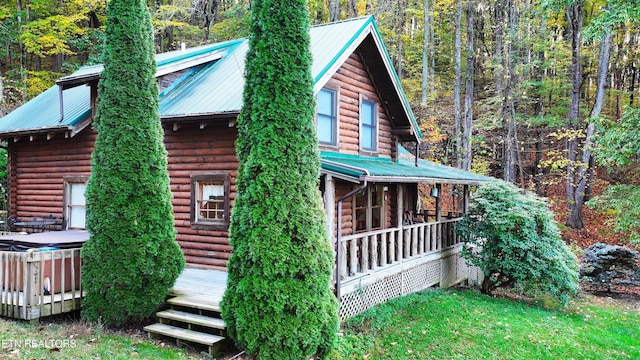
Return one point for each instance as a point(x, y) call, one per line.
point(610, 268)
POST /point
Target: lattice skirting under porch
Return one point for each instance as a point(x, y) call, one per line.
point(370, 291)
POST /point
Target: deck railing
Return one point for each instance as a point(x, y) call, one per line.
point(39, 283)
point(373, 251)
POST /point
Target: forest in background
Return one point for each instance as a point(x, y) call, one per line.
point(543, 93)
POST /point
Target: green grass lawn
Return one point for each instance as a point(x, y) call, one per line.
point(438, 324)
point(74, 339)
point(446, 324)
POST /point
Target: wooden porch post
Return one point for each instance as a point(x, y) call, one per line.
point(330, 206)
point(329, 210)
point(438, 226)
point(399, 214)
point(438, 203)
point(465, 197)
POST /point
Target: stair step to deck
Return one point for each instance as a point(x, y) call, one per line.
point(195, 303)
point(191, 318)
point(183, 334)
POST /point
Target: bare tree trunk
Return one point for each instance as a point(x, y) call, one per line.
point(402, 5)
point(457, 115)
point(468, 96)
point(425, 54)
point(353, 8)
point(334, 10)
point(432, 52)
point(498, 70)
point(574, 17)
point(1, 94)
point(539, 106)
point(23, 57)
point(508, 105)
point(633, 70)
point(209, 14)
point(584, 174)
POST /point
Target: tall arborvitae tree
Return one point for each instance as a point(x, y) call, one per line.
point(278, 303)
point(131, 258)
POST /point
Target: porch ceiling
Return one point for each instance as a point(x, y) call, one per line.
point(402, 171)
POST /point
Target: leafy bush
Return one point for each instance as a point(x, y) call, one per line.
point(131, 258)
point(278, 303)
point(514, 240)
point(618, 148)
point(623, 202)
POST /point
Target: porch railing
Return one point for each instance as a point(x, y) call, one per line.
point(375, 250)
point(39, 283)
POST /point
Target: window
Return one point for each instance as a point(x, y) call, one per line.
point(368, 126)
point(210, 201)
point(327, 119)
point(75, 204)
point(369, 209)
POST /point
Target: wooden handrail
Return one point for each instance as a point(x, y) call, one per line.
point(376, 250)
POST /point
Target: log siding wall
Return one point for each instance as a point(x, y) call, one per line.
point(353, 81)
point(38, 168)
point(195, 151)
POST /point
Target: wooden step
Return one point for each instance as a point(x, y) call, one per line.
point(212, 341)
point(195, 303)
point(190, 318)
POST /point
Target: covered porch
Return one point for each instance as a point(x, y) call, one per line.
point(393, 228)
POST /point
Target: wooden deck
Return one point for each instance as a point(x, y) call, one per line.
point(40, 274)
point(199, 285)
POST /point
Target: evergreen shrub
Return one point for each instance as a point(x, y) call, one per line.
point(131, 258)
point(512, 237)
point(278, 303)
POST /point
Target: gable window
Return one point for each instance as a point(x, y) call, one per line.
point(327, 118)
point(369, 209)
point(210, 201)
point(75, 204)
point(368, 126)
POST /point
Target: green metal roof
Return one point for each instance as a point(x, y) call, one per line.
point(216, 85)
point(42, 113)
point(404, 170)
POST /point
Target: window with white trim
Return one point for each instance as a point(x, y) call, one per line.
point(368, 126)
point(210, 201)
point(327, 117)
point(75, 203)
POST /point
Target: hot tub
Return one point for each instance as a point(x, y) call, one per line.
point(61, 263)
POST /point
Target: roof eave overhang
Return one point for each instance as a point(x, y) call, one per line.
point(50, 131)
point(359, 174)
point(71, 82)
point(419, 179)
point(337, 175)
point(34, 132)
point(185, 118)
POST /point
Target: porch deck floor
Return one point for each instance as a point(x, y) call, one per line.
point(201, 285)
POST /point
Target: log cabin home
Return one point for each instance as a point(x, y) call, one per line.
point(386, 209)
